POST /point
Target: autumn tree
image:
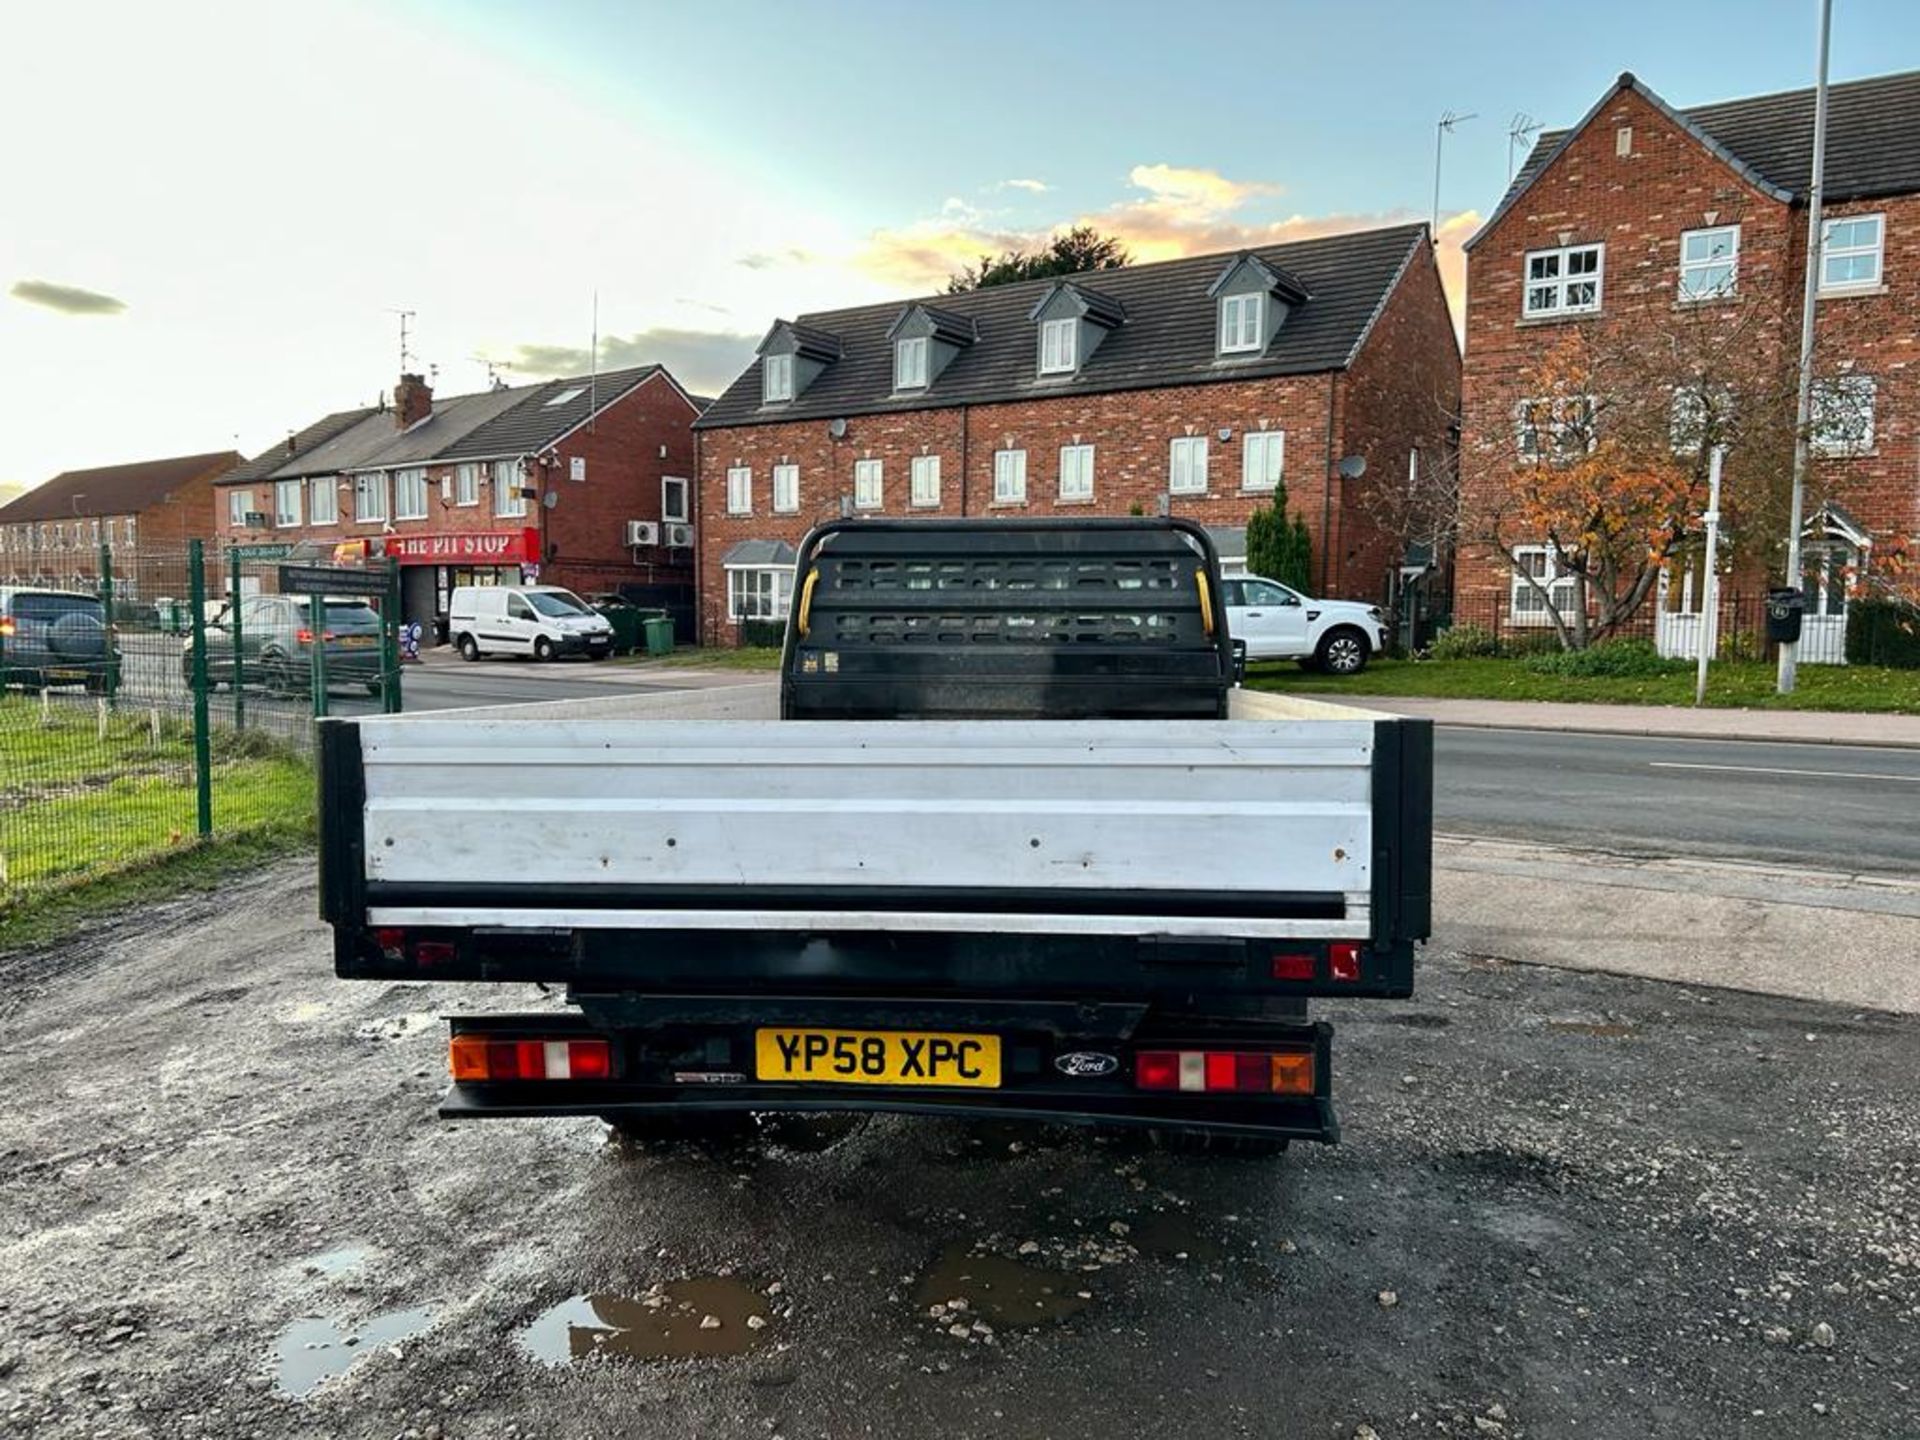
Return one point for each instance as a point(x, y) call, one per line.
point(1068, 253)
point(1601, 469)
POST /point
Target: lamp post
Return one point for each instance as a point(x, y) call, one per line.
point(1710, 587)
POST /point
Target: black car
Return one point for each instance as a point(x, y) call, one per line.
point(55, 637)
point(276, 644)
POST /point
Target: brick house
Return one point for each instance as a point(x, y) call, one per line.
point(585, 483)
point(1642, 212)
point(53, 534)
point(1188, 387)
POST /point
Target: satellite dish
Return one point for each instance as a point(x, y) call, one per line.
point(1353, 467)
point(837, 429)
point(550, 498)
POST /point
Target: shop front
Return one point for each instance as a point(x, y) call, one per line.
point(432, 565)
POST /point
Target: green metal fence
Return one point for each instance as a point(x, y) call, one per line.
point(167, 698)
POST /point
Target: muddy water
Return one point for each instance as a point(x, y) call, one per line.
point(704, 1316)
point(998, 1291)
point(315, 1350)
point(1173, 1235)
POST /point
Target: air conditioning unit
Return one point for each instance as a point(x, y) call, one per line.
point(680, 537)
point(643, 532)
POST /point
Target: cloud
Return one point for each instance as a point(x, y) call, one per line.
point(1032, 187)
point(67, 299)
point(704, 361)
point(771, 259)
point(1177, 210)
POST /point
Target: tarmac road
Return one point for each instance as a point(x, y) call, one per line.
point(1567, 1204)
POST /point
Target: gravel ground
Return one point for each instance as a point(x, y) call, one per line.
point(1568, 1205)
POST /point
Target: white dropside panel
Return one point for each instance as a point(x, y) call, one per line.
point(1179, 807)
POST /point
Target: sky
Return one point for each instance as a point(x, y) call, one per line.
point(211, 213)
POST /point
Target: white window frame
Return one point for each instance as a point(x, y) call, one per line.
point(786, 489)
point(1076, 472)
point(768, 589)
point(466, 484)
point(776, 378)
point(410, 493)
point(1821, 438)
point(239, 506)
point(1557, 426)
point(325, 487)
point(1059, 346)
point(1690, 269)
point(1009, 477)
point(1522, 598)
point(1263, 460)
point(287, 517)
point(1556, 285)
point(910, 363)
point(508, 502)
point(923, 482)
point(370, 486)
point(869, 484)
point(1243, 320)
point(1187, 465)
point(1830, 252)
point(739, 490)
point(670, 512)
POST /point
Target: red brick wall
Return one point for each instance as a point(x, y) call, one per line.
point(586, 529)
point(1638, 204)
point(165, 526)
point(1402, 394)
point(1130, 431)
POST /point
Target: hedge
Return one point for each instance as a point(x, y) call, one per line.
point(1883, 632)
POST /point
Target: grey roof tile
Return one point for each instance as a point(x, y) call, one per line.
point(1167, 337)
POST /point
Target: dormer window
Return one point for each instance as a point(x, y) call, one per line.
point(776, 378)
point(910, 363)
point(1057, 346)
point(1242, 323)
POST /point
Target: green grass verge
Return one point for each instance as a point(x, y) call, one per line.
point(1730, 684)
point(745, 657)
point(80, 799)
point(47, 917)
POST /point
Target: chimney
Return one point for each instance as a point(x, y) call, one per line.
point(412, 402)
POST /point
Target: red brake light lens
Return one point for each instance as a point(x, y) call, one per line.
point(1156, 1070)
point(478, 1057)
point(1343, 958)
point(1293, 967)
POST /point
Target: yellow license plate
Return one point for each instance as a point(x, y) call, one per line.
point(356, 640)
point(878, 1057)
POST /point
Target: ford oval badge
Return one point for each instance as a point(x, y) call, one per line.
point(1086, 1062)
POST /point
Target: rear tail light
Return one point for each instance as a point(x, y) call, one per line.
point(480, 1057)
point(305, 636)
point(1343, 959)
point(1293, 967)
point(6, 629)
point(397, 945)
point(1239, 1072)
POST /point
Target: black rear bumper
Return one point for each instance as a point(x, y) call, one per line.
point(694, 1056)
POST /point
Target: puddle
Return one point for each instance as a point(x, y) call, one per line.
point(333, 1263)
point(1606, 1031)
point(312, 1351)
point(1173, 1235)
point(1000, 1292)
point(672, 1322)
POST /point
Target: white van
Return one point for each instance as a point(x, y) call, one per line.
point(544, 621)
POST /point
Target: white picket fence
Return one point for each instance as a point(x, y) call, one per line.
point(1823, 638)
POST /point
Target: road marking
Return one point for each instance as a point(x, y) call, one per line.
point(1778, 770)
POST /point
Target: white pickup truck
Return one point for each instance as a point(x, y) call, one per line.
point(1277, 622)
point(1003, 839)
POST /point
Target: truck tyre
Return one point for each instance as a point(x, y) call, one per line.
point(681, 1128)
point(1342, 652)
point(469, 648)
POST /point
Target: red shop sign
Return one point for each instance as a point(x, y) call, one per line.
point(475, 547)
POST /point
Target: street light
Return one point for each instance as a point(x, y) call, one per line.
point(1710, 601)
